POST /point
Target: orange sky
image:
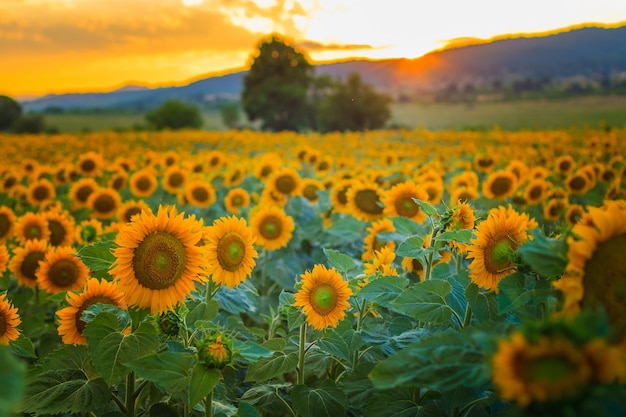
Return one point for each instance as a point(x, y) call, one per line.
point(57, 46)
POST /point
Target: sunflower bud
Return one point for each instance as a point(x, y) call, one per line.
point(215, 351)
point(169, 323)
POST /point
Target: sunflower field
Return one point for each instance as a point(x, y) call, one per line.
point(390, 273)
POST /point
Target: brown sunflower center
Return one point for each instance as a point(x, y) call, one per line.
point(9, 182)
point(57, 232)
point(406, 207)
point(271, 227)
point(87, 165)
point(323, 166)
point(535, 192)
point(367, 201)
point(605, 281)
point(5, 225)
point(310, 192)
point(104, 204)
point(41, 193)
point(200, 194)
point(118, 183)
point(342, 196)
point(63, 273)
point(159, 260)
point(143, 183)
point(30, 264)
point(3, 325)
point(130, 212)
point(501, 186)
point(499, 254)
point(285, 184)
point(578, 183)
point(83, 193)
point(80, 324)
point(564, 166)
point(266, 171)
point(231, 251)
point(323, 299)
point(485, 162)
point(176, 179)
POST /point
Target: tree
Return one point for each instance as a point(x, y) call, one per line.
point(276, 86)
point(29, 123)
point(174, 114)
point(230, 114)
point(10, 111)
point(354, 106)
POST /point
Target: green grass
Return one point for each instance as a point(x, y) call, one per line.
point(509, 115)
point(514, 115)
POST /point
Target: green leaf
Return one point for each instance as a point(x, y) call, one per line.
point(237, 300)
point(123, 319)
point(97, 256)
point(251, 351)
point(426, 301)
point(246, 410)
point(426, 207)
point(203, 380)
point(400, 403)
point(408, 227)
point(545, 256)
point(23, 347)
point(109, 348)
point(202, 312)
point(484, 304)
point(347, 228)
point(64, 391)
point(341, 262)
point(168, 370)
point(265, 397)
point(12, 380)
point(459, 236)
point(268, 368)
point(412, 248)
point(325, 401)
point(383, 290)
point(513, 294)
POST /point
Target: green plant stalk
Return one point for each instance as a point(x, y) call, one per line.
point(429, 259)
point(301, 353)
point(468, 407)
point(467, 320)
point(130, 397)
point(208, 292)
point(208, 404)
point(359, 323)
point(264, 272)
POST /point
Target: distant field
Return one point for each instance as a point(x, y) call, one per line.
point(514, 115)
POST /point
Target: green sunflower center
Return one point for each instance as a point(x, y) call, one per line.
point(498, 255)
point(104, 204)
point(57, 232)
point(605, 281)
point(367, 201)
point(237, 200)
point(271, 227)
point(159, 260)
point(285, 184)
point(80, 324)
point(63, 273)
point(323, 299)
point(549, 369)
point(88, 233)
point(31, 264)
point(406, 207)
point(231, 251)
point(33, 232)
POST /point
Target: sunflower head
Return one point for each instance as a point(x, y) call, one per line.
point(169, 323)
point(272, 227)
point(323, 296)
point(216, 351)
point(9, 320)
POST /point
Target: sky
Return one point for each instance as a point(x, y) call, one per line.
point(60, 46)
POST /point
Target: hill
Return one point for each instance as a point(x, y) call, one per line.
point(596, 54)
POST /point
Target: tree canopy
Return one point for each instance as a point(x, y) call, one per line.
point(10, 112)
point(174, 114)
point(276, 86)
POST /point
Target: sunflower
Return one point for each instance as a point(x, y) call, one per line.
point(462, 218)
point(170, 158)
point(158, 261)
point(536, 190)
point(31, 226)
point(129, 208)
point(382, 262)
point(236, 199)
point(71, 325)
point(413, 265)
point(215, 351)
point(229, 251)
point(484, 163)
point(564, 164)
point(285, 181)
point(143, 183)
point(323, 296)
point(399, 200)
point(4, 258)
point(269, 197)
point(9, 180)
point(578, 183)
point(272, 227)
point(434, 189)
point(554, 208)
point(81, 190)
point(465, 179)
point(594, 275)
point(104, 203)
point(88, 231)
point(574, 213)
point(500, 185)
point(118, 180)
point(497, 238)
point(519, 168)
point(9, 320)
point(310, 189)
point(608, 362)
point(216, 160)
point(365, 200)
point(39, 192)
point(268, 165)
point(545, 370)
point(90, 164)
point(371, 244)
point(7, 223)
point(174, 179)
point(62, 270)
point(463, 194)
point(200, 193)
point(339, 195)
point(234, 175)
point(25, 262)
point(61, 226)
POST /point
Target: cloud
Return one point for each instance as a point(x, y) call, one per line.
point(311, 45)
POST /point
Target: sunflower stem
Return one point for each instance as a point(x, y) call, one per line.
point(468, 407)
point(208, 294)
point(208, 404)
point(264, 273)
point(359, 323)
point(119, 403)
point(130, 398)
point(467, 320)
point(301, 353)
point(459, 262)
point(293, 413)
